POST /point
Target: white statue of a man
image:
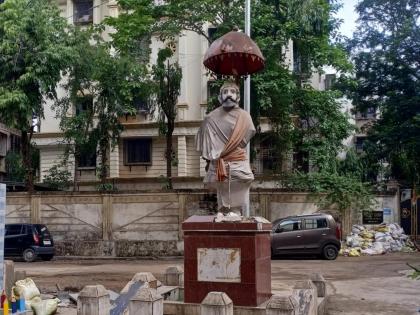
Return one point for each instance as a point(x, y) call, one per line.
point(222, 140)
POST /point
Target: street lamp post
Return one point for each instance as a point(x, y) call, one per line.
point(247, 88)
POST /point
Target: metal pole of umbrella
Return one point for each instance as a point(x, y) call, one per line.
point(247, 88)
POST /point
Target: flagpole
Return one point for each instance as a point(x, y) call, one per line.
point(247, 88)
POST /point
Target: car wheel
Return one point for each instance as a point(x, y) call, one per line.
point(47, 257)
point(330, 252)
point(29, 255)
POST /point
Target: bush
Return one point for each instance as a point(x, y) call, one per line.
point(58, 177)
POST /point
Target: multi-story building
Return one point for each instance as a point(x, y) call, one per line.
point(127, 168)
point(364, 121)
point(9, 142)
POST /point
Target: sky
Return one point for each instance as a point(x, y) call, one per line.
point(349, 16)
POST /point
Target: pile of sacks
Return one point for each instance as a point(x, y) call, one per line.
point(28, 290)
point(383, 239)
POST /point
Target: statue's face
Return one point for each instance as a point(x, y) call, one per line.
point(229, 96)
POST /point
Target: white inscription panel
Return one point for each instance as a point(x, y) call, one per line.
point(219, 264)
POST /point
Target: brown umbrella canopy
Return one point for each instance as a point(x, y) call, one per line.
point(234, 54)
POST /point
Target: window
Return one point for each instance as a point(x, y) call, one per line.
point(87, 159)
point(211, 33)
point(15, 143)
point(360, 144)
point(370, 113)
point(316, 224)
point(301, 161)
point(141, 104)
point(300, 60)
point(83, 11)
point(138, 151)
point(84, 104)
point(329, 81)
point(290, 225)
point(14, 229)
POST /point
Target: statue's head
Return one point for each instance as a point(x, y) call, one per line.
point(229, 95)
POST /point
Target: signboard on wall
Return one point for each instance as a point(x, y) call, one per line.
point(372, 217)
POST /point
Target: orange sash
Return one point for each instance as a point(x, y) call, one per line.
point(232, 152)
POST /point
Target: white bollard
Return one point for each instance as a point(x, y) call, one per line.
point(320, 283)
point(174, 276)
point(146, 302)
point(305, 293)
point(145, 277)
point(282, 305)
point(93, 300)
point(216, 303)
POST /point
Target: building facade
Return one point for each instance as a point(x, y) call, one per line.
point(129, 170)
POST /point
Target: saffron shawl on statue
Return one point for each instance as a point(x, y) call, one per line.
point(222, 140)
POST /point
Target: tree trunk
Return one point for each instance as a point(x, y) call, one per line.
point(76, 166)
point(169, 154)
point(27, 161)
point(104, 151)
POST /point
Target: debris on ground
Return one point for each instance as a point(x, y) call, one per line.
point(416, 273)
point(28, 290)
point(383, 239)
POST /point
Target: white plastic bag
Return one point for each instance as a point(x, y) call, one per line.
point(46, 307)
point(27, 289)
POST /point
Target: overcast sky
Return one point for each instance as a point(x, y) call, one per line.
point(349, 16)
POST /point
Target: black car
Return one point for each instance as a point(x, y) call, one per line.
point(28, 241)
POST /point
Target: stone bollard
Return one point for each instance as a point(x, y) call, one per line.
point(282, 305)
point(93, 300)
point(174, 276)
point(146, 302)
point(9, 276)
point(320, 283)
point(216, 303)
point(146, 277)
point(306, 295)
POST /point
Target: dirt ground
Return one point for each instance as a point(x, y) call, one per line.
point(362, 285)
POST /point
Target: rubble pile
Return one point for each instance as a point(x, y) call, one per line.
point(383, 239)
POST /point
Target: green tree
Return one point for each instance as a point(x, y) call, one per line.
point(167, 76)
point(302, 118)
point(283, 95)
point(34, 53)
point(385, 52)
point(58, 177)
point(344, 192)
point(105, 82)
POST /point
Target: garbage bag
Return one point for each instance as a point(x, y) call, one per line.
point(382, 228)
point(356, 229)
point(378, 248)
point(46, 307)
point(354, 241)
point(354, 252)
point(26, 288)
point(367, 234)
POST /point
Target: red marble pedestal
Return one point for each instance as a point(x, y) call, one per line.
point(234, 258)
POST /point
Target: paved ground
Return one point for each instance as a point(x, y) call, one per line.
point(362, 285)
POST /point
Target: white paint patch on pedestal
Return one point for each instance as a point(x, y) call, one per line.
point(219, 264)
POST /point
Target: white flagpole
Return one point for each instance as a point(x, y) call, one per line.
point(247, 87)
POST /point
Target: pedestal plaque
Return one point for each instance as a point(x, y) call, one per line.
point(230, 257)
